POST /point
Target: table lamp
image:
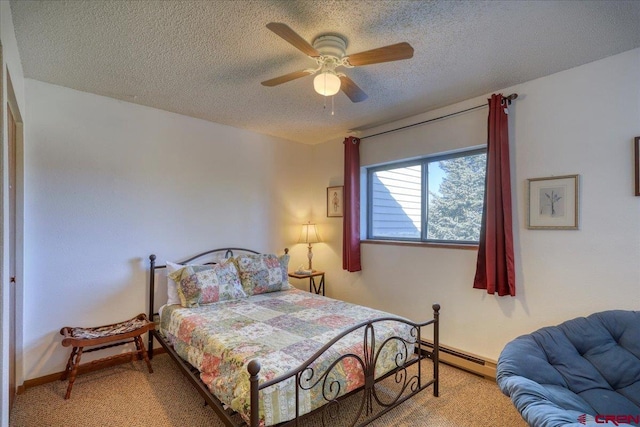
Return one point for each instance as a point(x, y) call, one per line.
point(309, 235)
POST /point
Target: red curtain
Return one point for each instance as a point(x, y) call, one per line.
point(351, 223)
point(495, 269)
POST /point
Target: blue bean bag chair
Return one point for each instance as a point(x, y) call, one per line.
point(585, 371)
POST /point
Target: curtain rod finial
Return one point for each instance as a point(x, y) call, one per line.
point(510, 98)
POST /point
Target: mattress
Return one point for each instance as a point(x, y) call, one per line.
point(281, 330)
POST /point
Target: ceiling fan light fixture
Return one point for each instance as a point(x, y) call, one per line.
point(326, 83)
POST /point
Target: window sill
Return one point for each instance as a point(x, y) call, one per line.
point(422, 244)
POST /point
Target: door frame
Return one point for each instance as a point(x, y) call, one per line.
point(8, 101)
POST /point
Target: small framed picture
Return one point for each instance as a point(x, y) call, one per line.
point(335, 201)
point(553, 203)
point(636, 149)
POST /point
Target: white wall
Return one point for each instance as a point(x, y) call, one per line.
point(109, 182)
point(10, 62)
point(580, 121)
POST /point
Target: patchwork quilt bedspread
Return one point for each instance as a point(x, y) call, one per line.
point(282, 330)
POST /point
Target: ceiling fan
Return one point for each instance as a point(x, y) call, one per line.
point(329, 53)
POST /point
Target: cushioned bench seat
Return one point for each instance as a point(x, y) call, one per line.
point(582, 372)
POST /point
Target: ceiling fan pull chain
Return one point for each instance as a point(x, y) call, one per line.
point(332, 110)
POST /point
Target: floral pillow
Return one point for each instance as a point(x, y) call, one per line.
point(262, 273)
point(206, 284)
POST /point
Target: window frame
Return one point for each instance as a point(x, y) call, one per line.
point(423, 162)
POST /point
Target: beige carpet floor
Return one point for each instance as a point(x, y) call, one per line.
point(127, 395)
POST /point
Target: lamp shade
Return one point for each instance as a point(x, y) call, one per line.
point(327, 83)
point(309, 234)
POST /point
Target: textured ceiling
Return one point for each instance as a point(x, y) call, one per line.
point(206, 59)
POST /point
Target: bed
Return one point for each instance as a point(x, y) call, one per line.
point(261, 352)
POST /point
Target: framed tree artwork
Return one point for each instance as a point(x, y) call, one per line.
point(335, 201)
point(553, 203)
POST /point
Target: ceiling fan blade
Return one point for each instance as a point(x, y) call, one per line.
point(286, 78)
point(292, 37)
point(392, 52)
point(352, 90)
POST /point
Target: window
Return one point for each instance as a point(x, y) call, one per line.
point(435, 199)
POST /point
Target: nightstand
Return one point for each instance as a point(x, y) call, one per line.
point(319, 288)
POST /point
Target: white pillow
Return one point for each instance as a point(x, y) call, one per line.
point(172, 286)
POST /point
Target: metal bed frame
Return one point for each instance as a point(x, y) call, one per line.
point(412, 352)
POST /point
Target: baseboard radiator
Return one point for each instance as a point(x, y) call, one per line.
point(463, 360)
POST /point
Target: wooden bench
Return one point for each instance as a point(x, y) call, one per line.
point(129, 331)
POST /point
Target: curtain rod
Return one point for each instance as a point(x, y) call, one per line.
point(509, 98)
